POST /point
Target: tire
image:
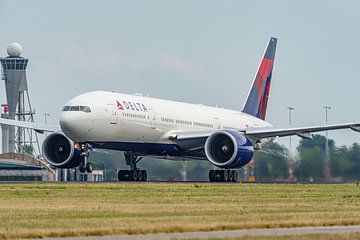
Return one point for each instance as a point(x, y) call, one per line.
point(139, 175)
point(144, 175)
point(122, 175)
point(82, 168)
point(225, 175)
point(212, 175)
point(235, 176)
point(231, 175)
point(133, 175)
point(89, 167)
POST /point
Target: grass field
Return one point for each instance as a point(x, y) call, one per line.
point(39, 210)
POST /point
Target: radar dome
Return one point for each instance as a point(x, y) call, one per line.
point(14, 49)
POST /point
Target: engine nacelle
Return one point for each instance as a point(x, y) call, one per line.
point(59, 151)
point(228, 149)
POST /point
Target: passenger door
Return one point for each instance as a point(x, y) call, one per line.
point(217, 124)
point(152, 119)
point(113, 113)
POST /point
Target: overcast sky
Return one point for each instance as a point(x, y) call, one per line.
point(194, 51)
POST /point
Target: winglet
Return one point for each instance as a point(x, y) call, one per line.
point(256, 102)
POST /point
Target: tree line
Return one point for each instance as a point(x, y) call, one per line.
point(273, 163)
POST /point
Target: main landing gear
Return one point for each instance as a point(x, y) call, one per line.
point(223, 176)
point(134, 174)
point(85, 166)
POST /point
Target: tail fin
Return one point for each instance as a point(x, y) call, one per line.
point(257, 98)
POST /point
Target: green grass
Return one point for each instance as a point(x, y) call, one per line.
point(39, 210)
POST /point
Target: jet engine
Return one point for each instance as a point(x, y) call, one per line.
point(228, 149)
point(59, 151)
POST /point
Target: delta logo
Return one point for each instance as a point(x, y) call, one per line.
point(119, 106)
point(135, 106)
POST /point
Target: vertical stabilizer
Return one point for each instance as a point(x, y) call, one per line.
point(256, 102)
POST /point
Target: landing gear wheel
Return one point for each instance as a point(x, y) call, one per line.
point(139, 175)
point(82, 168)
point(212, 175)
point(144, 175)
point(134, 175)
point(231, 175)
point(225, 176)
point(235, 176)
point(121, 175)
point(89, 167)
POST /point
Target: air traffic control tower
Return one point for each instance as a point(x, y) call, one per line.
point(14, 74)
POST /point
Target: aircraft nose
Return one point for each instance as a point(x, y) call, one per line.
point(76, 122)
point(68, 123)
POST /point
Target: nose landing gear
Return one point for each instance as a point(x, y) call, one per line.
point(134, 174)
point(85, 166)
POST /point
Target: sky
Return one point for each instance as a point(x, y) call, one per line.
point(201, 51)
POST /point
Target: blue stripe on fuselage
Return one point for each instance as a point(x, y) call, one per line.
point(160, 149)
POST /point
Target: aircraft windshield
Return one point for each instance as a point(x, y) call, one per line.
point(85, 109)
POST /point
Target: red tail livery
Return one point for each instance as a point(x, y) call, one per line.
point(256, 102)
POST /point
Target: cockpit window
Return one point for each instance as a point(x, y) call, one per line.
point(66, 108)
point(74, 108)
point(85, 109)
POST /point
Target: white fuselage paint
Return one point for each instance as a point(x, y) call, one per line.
point(145, 119)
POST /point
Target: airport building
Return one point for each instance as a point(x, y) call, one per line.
point(94, 176)
point(74, 175)
point(22, 167)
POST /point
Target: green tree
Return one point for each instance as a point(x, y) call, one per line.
point(312, 155)
point(311, 164)
point(353, 157)
point(339, 162)
point(316, 141)
point(271, 163)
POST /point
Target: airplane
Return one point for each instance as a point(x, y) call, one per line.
point(143, 126)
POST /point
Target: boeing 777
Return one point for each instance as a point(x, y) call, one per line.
point(142, 126)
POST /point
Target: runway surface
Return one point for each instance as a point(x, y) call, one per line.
point(232, 233)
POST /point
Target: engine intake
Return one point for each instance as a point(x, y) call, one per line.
point(59, 151)
point(228, 149)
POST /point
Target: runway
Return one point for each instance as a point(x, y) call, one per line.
point(227, 234)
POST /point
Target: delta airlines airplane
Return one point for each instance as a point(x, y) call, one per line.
point(143, 126)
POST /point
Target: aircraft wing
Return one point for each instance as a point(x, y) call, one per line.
point(196, 140)
point(38, 127)
point(304, 132)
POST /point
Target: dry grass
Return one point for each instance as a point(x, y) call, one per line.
point(39, 210)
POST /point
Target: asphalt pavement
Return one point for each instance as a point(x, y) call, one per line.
point(226, 234)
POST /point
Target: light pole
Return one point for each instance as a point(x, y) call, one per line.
point(290, 168)
point(45, 120)
point(290, 110)
point(326, 113)
point(327, 165)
